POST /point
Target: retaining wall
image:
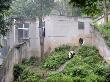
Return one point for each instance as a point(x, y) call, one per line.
point(15, 56)
point(98, 41)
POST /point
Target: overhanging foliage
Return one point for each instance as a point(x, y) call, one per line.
point(4, 7)
point(31, 8)
point(89, 7)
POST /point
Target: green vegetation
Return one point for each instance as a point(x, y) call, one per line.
point(28, 8)
point(89, 7)
point(105, 31)
point(18, 70)
point(86, 66)
point(65, 9)
point(4, 12)
point(31, 61)
point(58, 77)
point(94, 8)
point(58, 57)
point(23, 72)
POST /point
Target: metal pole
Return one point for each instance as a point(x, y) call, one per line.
point(23, 32)
point(14, 32)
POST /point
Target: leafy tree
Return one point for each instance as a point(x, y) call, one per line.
point(92, 7)
point(4, 7)
point(31, 8)
point(64, 8)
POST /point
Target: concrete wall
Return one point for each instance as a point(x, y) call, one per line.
point(59, 30)
point(20, 50)
point(98, 41)
point(15, 56)
point(34, 39)
point(64, 30)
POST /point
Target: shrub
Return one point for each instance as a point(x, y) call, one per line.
point(54, 61)
point(92, 59)
point(18, 70)
point(75, 64)
point(24, 74)
point(42, 80)
point(94, 78)
point(31, 61)
point(59, 77)
point(108, 76)
point(86, 64)
point(80, 71)
point(78, 79)
point(29, 76)
point(87, 51)
point(67, 79)
point(90, 55)
point(101, 69)
point(57, 57)
point(55, 77)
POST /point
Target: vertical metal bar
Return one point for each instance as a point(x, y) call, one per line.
point(23, 32)
point(14, 32)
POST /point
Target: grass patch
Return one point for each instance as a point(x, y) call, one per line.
point(58, 77)
point(23, 73)
point(58, 57)
point(88, 66)
point(29, 62)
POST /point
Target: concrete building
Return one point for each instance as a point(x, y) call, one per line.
point(58, 30)
point(66, 30)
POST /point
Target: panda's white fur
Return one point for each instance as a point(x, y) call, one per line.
point(71, 53)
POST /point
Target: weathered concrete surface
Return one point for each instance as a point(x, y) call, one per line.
point(64, 30)
point(59, 30)
point(98, 41)
point(15, 56)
